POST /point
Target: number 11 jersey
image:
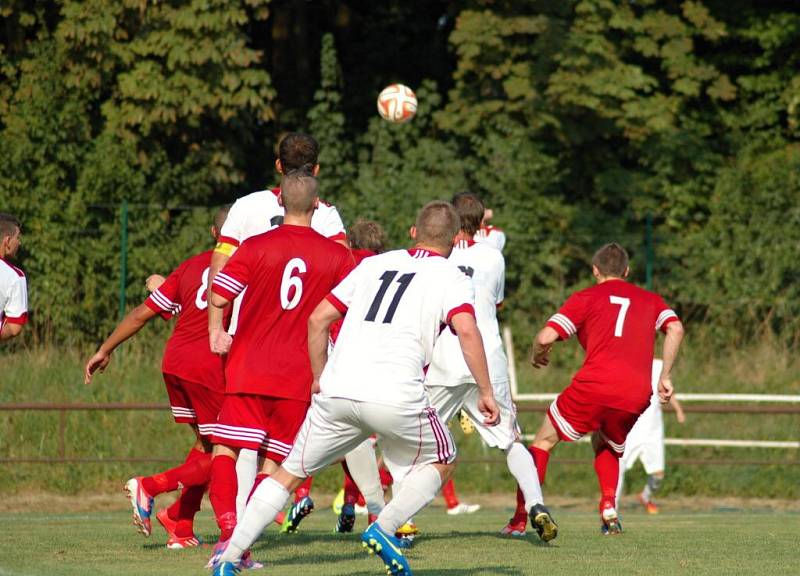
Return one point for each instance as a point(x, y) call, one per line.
point(395, 304)
point(287, 272)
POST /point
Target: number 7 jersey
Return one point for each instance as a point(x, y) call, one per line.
point(616, 323)
point(395, 304)
point(287, 272)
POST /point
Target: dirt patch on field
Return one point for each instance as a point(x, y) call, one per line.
point(100, 502)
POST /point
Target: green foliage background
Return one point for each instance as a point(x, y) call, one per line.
point(573, 119)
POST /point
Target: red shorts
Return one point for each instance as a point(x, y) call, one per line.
point(193, 403)
point(262, 423)
point(574, 415)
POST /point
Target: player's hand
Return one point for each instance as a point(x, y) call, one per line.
point(154, 282)
point(97, 362)
point(220, 342)
point(540, 355)
point(665, 389)
point(681, 417)
point(315, 386)
point(488, 407)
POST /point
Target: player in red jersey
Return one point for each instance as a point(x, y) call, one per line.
point(195, 385)
point(615, 322)
point(287, 272)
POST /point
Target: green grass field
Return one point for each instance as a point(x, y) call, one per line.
point(698, 543)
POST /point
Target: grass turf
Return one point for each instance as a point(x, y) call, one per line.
point(697, 543)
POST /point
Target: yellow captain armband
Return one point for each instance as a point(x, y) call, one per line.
point(225, 248)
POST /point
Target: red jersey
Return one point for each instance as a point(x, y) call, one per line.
point(187, 354)
point(358, 256)
point(615, 322)
point(287, 272)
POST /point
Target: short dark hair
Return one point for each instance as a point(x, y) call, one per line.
point(298, 192)
point(437, 224)
point(9, 225)
point(298, 151)
point(366, 235)
point(470, 210)
point(611, 260)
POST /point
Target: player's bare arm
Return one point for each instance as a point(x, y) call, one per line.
point(542, 344)
point(130, 325)
point(218, 338)
point(680, 416)
point(672, 343)
point(469, 337)
point(319, 324)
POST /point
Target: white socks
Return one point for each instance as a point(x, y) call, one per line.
point(269, 498)
point(521, 465)
point(417, 491)
point(363, 468)
point(246, 469)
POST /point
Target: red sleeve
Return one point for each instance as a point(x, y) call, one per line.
point(569, 317)
point(338, 304)
point(165, 300)
point(15, 319)
point(232, 279)
point(664, 315)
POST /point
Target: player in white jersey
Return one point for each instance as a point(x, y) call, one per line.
point(250, 216)
point(397, 303)
point(488, 234)
point(449, 382)
point(13, 286)
point(645, 442)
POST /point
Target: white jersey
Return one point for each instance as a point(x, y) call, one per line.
point(13, 295)
point(492, 236)
point(260, 212)
point(396, 305)
point(486, 267)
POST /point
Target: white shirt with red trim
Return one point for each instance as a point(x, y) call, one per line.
point(396, 306)
point(13, 295)
point(260, 212)
point(492, 236)
point(487, 269)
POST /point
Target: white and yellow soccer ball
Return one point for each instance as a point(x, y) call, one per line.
point(397, 103)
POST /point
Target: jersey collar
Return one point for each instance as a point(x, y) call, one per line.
point(421, 253)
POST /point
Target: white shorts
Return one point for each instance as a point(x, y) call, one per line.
point(646, 443)
point(409, 436)
point(448, 400)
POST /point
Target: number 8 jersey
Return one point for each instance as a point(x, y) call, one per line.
point(615, 322)
point(395, 304)
point(287, 272)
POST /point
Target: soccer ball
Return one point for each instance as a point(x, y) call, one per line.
point(397, 103)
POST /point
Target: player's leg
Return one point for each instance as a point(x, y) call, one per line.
point(240, 424)
point(362, 467)
point(329, 431)
point(653, 461)
point(246, 474)
point(609, 446)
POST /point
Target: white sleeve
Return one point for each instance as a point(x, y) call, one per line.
point(233, 231)
point(459, 295)
point(16, 307)
point(500, 280)
point(500, 239)
point(327, 221)
point(346, 289)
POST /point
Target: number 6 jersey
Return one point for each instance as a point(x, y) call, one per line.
point(616, 323)
point(287, 272)
point(396, 304)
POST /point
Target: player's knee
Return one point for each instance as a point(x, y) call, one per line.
point(446, 471)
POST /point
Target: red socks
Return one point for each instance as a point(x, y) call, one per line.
point(606, 464)
point(449, 494)
point(193, 472)
point(351, 491)
point(386, 478)
point(304, 489)
point(540, 458)
point(223, 494)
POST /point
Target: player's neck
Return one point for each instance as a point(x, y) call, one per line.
point(298, 219)
point(441, 251)
point(462, 236)
point(602, 279)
